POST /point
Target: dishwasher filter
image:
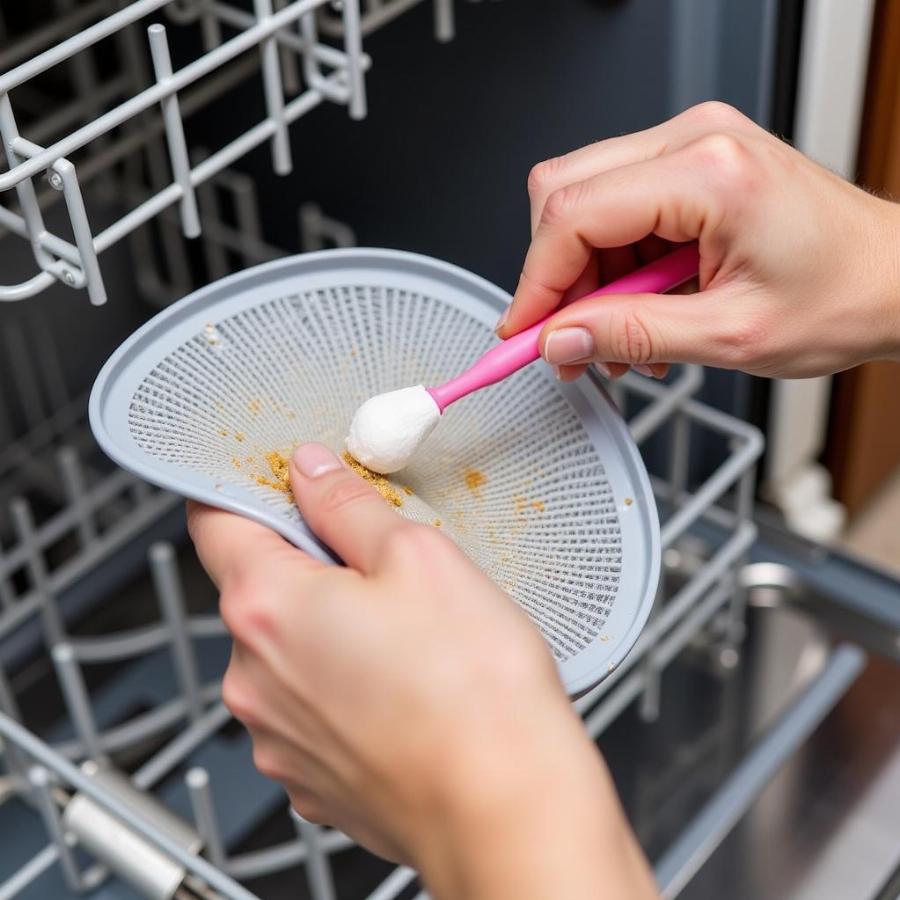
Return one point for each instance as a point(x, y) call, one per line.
point(539, 482)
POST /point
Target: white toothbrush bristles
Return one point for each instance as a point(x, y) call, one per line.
point(388, 428)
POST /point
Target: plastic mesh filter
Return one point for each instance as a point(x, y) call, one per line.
point(515, 474)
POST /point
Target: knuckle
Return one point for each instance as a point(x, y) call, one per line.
point(562, 204)
point(631, 338)
point(726, 158)
point(716, 113)
point(744, 343)
point(268, 762)
point(246, 613)
point(542, 176)
point(238, 699)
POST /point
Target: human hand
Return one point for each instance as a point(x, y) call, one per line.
point(407, 701)
point(799, 273)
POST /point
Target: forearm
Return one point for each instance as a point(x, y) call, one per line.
point(552, 827)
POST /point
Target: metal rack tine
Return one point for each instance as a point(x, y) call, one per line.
point(274, 93)
point(178, 156)
point(197, 782)
point(353, 49)
point(77, 699)
point(31, 212)
point(73, 482)
point(318, 871)
point(167, 582)
point(16, 764)
point(23, 523)
point(175, 260)
point(444, 22)
point(41, 783)
point(209, 25)
point(289, 68)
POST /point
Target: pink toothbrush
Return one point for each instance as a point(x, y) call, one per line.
point(387, 429)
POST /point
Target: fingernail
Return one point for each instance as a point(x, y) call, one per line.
point(644, 370)
point(314, 460)
point(502, 320)
point(558, 373)
point(603, 369)
point(568, 345)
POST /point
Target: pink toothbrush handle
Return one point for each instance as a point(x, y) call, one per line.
point(518, 351)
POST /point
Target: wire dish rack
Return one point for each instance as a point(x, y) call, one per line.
point(121, 772)
point(316, 71)
point(71, 770)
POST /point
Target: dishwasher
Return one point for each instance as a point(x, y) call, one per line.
point(155, 146)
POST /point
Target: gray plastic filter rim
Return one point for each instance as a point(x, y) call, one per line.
point(124, 371)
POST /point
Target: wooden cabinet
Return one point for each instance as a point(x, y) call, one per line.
point(864, 435)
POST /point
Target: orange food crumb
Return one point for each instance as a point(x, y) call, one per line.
point(239, 436)
point(253, 406)
point(223, 432)
point(538, 505)
point(436, 523)
point(474, 480)
point(408, 490)
point(278, 466)
point(380, 483)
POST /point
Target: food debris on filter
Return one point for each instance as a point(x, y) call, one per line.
point(436, 523)
point(408, 490)
point(254, 407)
point(522, 504)
point(474, 480)
point(239, 436)
point(223, 432)
point(281, 478)
point(380, 483)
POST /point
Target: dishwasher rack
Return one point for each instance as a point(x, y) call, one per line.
point(181, 655)
point(316, 71)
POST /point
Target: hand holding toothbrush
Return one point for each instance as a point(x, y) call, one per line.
point(799, 270)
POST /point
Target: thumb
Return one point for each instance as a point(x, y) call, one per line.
point(638, 329)
point(348, 514)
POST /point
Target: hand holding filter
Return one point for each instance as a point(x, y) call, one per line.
point(387, 429)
